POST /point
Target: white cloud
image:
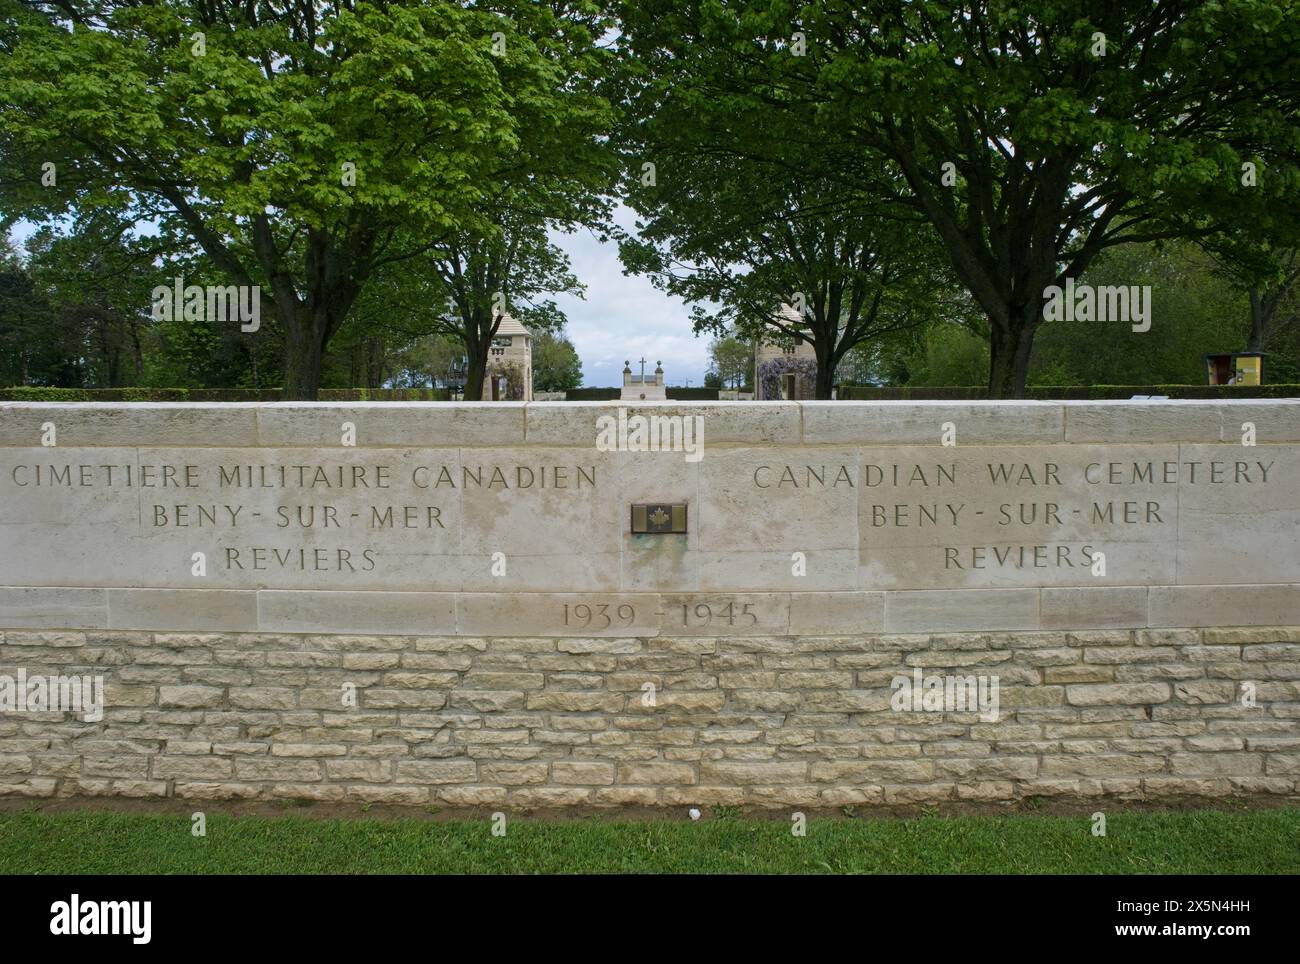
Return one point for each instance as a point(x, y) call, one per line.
point(625, 317)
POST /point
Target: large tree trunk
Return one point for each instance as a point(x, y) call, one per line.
point(1257, 322)
point(304, 348)
point(1024, 352)
point(1009, 368)
point(374, 364)
point(476, 374)
point(825, 384)
point(1002, 372)
point(1010, 349)
point(477, 346)
point(310, 322)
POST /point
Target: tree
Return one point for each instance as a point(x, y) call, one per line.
point(486, 278)
point(737, 216)
point(944, 355)
point(556, 365)
point(732, 360)
point(304, 146)
point(1269, 275)
point(33, 350)
point(1265, 319)
point(1195, 314)
point(98, 279)
point(462, 288)
point(1030, 138)
point(423, 362)
point(77, 312)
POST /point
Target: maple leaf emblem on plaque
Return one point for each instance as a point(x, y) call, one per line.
point(659, 517)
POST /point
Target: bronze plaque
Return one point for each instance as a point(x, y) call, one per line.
point(658, 518)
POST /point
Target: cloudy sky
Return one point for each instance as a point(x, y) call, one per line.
point(625, 318)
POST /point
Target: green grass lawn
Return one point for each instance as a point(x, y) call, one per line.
point(1200, 842)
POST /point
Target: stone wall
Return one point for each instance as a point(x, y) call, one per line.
point(764, 721)
point(491, 519)
point(446, 603)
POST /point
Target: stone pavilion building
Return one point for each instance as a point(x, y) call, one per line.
point(510, 364)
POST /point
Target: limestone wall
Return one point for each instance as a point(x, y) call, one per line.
point(445, 603)
point(758, 720)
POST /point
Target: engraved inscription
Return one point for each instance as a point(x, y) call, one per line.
point(552, 519)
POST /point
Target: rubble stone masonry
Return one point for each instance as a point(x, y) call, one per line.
point(760, 721)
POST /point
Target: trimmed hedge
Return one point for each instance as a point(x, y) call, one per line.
point(385, 395)
point(875, 393)
point(862, 393)
point(592, 394)
point(31, 394)
point(692, 394)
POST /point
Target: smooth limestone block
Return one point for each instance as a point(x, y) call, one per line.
point(656, 478)
point(551, 499)
point(1093, 608)
point(1225, 605)
point(654, 563)
point(578, 423)
point(793, 500)
point(1240, 520)
point(924, 422)
point(391, 424)
point(961, 610)
point(356, 612)
point(823, 569)
point(840, 613)
point(1175, 420)
point(511, 571)
point(152, 424)
point(36, 608)
point(175, 609)
point(1273, 420)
